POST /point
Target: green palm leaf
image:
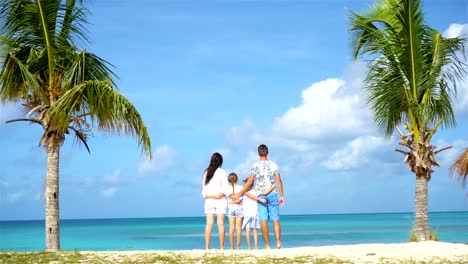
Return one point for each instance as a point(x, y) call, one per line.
point(413, 70)
point(17, 82)
point(107, 108)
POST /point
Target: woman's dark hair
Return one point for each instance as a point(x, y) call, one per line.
point(215, 162)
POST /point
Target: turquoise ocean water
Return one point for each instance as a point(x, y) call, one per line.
point(188, 232)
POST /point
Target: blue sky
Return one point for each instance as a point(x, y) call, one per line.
point(225, 76)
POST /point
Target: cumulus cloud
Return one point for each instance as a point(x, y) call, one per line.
point(455, 30)
point(109, 192)
point(356, 153)
point(329, 109)
point(164, 158)
point(461, 100)
point(109, 183)
point(332, 122)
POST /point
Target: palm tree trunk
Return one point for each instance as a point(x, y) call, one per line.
point(52, 196)
point(421, 225)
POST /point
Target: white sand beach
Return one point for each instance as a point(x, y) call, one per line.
point(430, 251)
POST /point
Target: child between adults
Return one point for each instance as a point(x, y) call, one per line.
point(251, 218)
point(235, 212)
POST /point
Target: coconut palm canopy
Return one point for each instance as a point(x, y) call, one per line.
point(57, 83)
point(61, 87)
point(413, 73)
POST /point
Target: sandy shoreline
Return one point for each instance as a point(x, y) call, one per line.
point(361, 253)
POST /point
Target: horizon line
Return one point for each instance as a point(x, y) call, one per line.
point(164, 217)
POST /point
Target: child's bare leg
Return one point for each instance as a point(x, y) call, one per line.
point(239, 231)
point(255, 235)
point(247, 237)
point(232, 223)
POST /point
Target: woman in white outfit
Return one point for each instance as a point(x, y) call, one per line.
point(214, 186)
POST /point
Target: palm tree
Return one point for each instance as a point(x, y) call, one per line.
point(412, 77)
point(60, 87)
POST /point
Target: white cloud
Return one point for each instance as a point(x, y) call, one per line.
point(355, 153)
point(329, 109)
point(446, 157)
point(115, 177)
point(455, 30)
point(461, 101)
point(164, 157)
point(332, 114)
point(109, 192)
point(14, 197)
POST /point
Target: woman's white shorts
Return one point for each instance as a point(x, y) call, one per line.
point(215, 206)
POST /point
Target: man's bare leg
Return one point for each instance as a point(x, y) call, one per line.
point(265, 233)
point(277, 228)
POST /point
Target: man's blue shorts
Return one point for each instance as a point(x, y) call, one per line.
point(270, 210)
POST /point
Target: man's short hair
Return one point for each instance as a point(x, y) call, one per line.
point(262, 150)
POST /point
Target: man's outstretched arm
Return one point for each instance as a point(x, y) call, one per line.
point(247, 187)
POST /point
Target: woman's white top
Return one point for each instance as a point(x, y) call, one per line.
point(218, 184)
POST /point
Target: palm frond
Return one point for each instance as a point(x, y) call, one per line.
point(72, 23)
point(411, 18)
point(459, 168)
point(413, 71)
point(109, 110)
point(17, 82)
point(82, 137)
point(85, 66)
point(19, 23)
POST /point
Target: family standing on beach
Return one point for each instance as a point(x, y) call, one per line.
point(249, 207)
